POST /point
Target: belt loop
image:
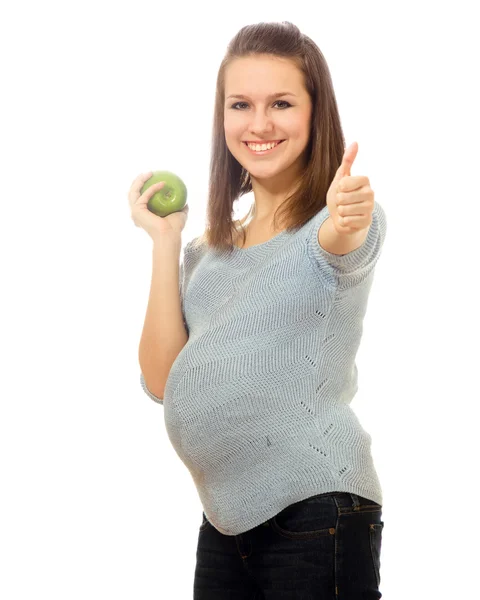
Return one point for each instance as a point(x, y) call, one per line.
point(355, 501)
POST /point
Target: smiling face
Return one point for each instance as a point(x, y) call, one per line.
point(261, 117)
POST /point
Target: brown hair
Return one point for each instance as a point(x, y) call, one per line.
point(229, 180)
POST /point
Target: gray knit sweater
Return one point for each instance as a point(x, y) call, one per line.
point(256, 404)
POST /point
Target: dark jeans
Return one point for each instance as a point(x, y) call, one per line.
point(326, 547)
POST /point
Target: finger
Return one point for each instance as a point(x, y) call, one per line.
point(347, 161)
point(344, 227)
point(355, 210)
point(353, 222)
point(346, 198)
point(141, 179)
point(149, 192)
point(136, 186)
point(348, 184)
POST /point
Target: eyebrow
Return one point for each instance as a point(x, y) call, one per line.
point(277, 95)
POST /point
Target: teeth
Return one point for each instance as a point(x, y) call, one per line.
point(262, 147)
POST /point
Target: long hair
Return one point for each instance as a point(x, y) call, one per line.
point(229, 180)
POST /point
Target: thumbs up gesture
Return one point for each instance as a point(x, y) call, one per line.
point(350, 199)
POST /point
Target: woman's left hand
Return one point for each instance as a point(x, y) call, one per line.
point(350, 199)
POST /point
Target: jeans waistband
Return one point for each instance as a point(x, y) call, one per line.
point(349, 500)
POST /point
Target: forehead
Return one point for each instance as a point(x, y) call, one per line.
point(259, 76)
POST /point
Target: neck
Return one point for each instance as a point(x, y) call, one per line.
point(269, 194)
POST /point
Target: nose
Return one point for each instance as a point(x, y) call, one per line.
point(261, 124)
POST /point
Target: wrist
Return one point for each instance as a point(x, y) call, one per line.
point(167, 241)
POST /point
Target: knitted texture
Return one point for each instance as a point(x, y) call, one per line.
point(256, 405)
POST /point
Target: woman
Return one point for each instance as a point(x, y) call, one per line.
point(258, 367)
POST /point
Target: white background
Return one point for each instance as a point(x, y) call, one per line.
point(94, 502)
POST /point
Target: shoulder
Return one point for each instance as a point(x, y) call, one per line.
point(195, 244)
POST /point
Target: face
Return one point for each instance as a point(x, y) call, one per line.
point(259, 117)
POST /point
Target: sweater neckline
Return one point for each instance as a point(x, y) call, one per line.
point(259, 247)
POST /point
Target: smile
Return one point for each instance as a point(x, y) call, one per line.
point(260, 152)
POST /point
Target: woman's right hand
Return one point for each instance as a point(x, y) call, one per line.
point(157, 227)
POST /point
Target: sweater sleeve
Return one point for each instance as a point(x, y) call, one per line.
point(148, 392)
point(142, 378)
point(347, 270)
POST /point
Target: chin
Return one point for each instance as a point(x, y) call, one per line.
point(266, 171)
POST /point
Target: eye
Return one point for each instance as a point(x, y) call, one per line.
point(234, 106)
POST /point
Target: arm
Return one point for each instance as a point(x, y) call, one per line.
point(350, 269)
point(164, 334)
point(340, 244)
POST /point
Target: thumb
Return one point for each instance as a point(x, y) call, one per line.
point(347, 162)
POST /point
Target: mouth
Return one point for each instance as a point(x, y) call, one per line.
point(263, 152)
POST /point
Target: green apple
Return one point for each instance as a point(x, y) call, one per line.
point(171, 198)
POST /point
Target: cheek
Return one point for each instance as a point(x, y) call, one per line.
point(299, 128)
point(231, 139)
point(231, 131)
